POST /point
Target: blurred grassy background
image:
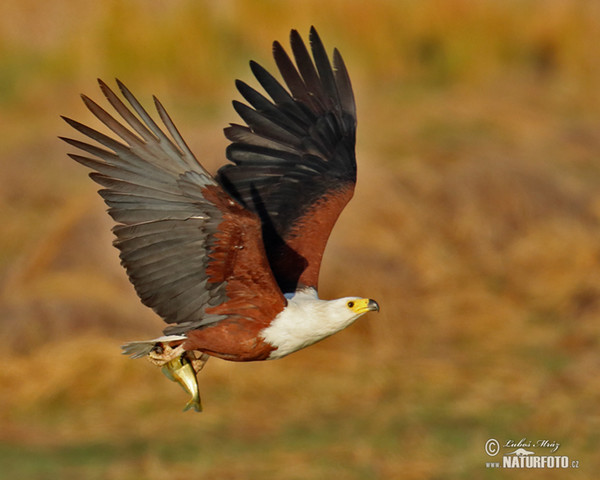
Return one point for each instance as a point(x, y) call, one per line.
point(475, 225)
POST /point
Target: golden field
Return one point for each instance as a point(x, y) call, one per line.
point(475, 225)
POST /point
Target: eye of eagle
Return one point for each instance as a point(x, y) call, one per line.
point(350, 304)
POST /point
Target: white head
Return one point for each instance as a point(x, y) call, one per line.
point(342, 312)
point(308, 319)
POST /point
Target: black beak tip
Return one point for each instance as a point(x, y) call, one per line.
point(373, 305)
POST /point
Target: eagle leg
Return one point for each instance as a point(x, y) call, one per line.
point(198, 362)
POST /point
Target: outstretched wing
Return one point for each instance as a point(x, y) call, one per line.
point(190, 251)
point(294, 164)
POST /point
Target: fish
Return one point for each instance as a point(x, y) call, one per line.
point(180, 370)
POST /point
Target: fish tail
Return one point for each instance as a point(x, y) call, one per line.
point(194, 403)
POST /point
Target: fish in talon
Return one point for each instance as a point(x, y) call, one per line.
point(180, 370)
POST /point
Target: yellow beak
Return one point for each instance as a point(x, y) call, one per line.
point(365, 305)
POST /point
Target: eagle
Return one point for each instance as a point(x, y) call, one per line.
point(231, 261)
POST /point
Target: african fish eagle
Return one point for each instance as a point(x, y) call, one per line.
point(231, 261)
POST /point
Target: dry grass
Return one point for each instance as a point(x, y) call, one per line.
point(475, 226)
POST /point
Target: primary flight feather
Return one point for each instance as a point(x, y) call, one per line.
point(231, 262)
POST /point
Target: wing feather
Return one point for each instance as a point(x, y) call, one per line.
point(177, 230)
point(294, 164)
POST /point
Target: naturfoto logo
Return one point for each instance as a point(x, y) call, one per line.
point(526, 453)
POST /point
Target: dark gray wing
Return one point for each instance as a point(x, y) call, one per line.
point(154, 187)
point(294, 163)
